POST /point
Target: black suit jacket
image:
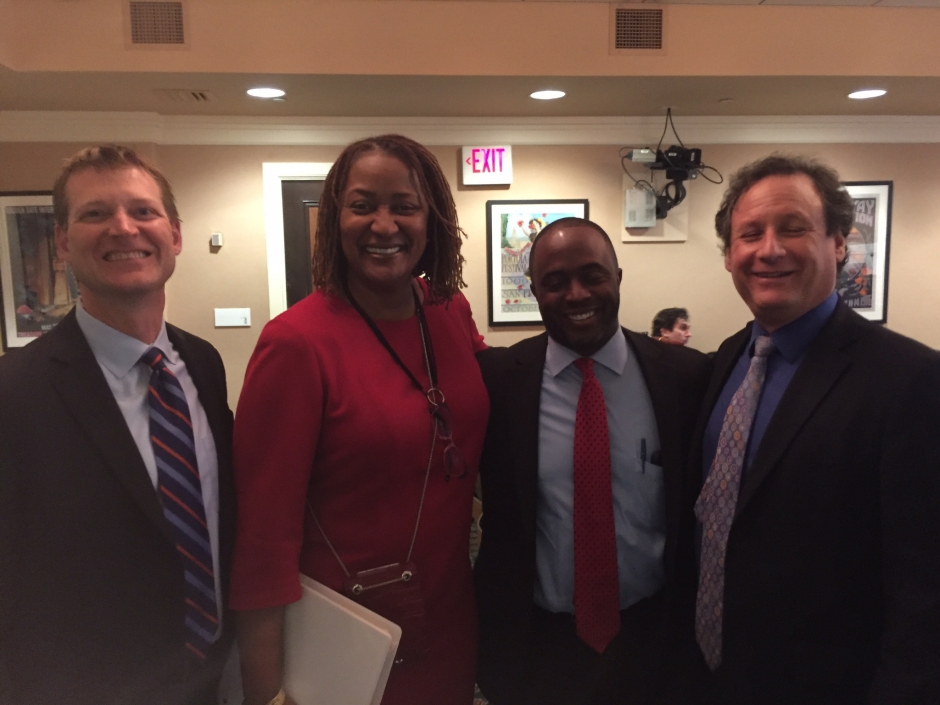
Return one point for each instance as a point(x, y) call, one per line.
point(91, 586)
point(832, 573)
point(505, 569)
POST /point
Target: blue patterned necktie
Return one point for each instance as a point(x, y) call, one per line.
point(180, 492)
point(719, 498)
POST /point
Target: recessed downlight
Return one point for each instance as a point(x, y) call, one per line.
point(867, 93)
point(547, 95)
point(261, 92)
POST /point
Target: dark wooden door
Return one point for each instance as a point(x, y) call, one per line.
point(301, 203)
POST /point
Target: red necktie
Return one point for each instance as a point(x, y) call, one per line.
point(596, 585)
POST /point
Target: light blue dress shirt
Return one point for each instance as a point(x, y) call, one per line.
point(639, 502)
point(119, 355)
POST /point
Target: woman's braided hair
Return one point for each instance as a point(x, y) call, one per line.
point(441, 263)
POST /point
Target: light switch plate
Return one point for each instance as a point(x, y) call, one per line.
point(233, 318)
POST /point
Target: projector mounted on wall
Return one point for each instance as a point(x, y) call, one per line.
point(680, 163)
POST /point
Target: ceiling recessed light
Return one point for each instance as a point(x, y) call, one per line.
point(869, 93)
point(547, 95)
point(265, 92)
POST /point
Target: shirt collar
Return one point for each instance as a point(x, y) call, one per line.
point(117, 351)
point(613, 355)
point(793, 339)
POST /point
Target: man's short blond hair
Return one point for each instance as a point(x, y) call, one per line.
point(108, 157)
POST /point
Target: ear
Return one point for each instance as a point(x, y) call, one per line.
point(839, 244)
point(177, 237)
point(61, 242)
point(619, 276)
point(728, 259)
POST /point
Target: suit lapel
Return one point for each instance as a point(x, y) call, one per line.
point(526, 379)
point(657, 375)
point(212, 397)
point(80, 383)
point(725, 360)
point(822, 367)
point(209, 394)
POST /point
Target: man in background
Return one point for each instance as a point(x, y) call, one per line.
point(819, 569)
point(116, 508)
point(584, 478)
point(671, 325)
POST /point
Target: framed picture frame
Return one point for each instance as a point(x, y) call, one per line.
point(863, 282)
point(510, 228)
point(37, 289)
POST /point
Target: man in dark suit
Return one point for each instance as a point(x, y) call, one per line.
point(580, 530)
point(116, 506)
point(819, 543)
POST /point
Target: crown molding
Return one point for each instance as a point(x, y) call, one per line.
point(50, 126)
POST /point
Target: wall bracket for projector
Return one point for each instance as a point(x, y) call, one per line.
point(680, 163)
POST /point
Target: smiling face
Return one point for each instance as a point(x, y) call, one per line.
point(576, 281)
point(118, 239)
point(781, 260)
point(383, 225)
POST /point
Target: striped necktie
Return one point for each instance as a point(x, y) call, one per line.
point(180, 493)
point(718, 500)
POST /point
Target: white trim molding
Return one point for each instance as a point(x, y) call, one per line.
point(39, 126)
point(273, 173)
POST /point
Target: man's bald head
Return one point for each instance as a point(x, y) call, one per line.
point(561, 224)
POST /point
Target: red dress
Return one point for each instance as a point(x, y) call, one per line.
point(327, 415)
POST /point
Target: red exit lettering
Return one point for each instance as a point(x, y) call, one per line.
point(484, 160)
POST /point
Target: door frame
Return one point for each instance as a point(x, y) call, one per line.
point(272, 174)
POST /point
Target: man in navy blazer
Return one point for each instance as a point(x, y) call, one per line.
point(93, 596)
point(832, 565)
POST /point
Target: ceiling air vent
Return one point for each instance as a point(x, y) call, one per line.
point(156, 22)
point(182, 95)
point(638, 29)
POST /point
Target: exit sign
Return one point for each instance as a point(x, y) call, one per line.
point(487, 165)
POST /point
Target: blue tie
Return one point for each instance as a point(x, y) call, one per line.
point(180, 493)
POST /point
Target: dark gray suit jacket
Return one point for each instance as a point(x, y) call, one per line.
point(91, 587)
point(832, 586)
point(505, 569)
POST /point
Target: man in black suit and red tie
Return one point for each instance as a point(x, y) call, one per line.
point(818, 541)
point(585, 481)
point(116, 508)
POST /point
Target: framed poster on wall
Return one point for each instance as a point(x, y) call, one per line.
point(863, 282)
point(511, 226)
point(38, 289)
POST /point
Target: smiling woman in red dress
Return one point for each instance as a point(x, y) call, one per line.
point(328, 416)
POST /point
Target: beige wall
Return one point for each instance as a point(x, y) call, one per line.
point(220, 189)
point(475, 38)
